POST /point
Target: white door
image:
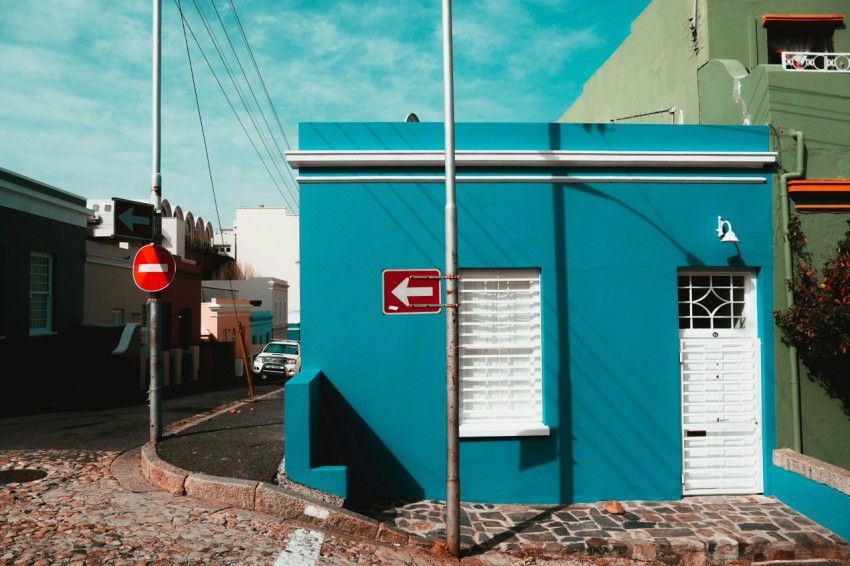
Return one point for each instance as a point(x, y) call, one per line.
point(720, 384)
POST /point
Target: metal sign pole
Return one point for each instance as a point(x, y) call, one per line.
point(452, 413)
point(154, 303)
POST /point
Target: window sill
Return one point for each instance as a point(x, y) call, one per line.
point(502, 429)
point(36, 333)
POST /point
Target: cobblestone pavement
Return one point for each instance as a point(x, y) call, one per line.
point(79, 507)
point(695, 530)
point(70, 507)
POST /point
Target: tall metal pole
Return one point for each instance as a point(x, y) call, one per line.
point(452, 413)
point(154, 303)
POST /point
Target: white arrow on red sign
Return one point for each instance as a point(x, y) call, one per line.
point(404, 291)
point(411, 291)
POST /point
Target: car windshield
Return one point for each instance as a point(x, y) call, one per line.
point(276, 348)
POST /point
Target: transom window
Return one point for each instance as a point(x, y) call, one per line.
point(499, 342)
point(714, 301)
point(41, 293)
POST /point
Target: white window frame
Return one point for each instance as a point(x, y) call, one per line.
point(744, 323)
point(41, 294)
point(500, 353)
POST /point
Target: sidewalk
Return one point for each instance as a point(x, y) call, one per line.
point(231, 456)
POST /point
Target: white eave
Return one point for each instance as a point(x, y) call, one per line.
point(47, 204)
point(304, 159)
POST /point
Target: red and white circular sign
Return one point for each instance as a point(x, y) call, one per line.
point(154, 268)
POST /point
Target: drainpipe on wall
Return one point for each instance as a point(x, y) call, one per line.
point(789, 294)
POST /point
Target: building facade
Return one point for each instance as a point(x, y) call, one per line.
point(264, 241)
point(783, 64)
point(589, 256)
point(44, 257)
point(265, 293)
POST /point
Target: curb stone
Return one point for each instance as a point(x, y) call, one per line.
point(267, 499)
point(160, 473)
point(227, 491)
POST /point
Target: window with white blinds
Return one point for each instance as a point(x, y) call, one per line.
point(499, 343)
point(41, 293)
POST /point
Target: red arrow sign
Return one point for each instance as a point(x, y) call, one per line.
point(154, 268)
point(411, 291)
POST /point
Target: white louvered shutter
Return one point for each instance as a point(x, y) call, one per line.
point(500, 353)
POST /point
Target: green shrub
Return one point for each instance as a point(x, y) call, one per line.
point(818, 323)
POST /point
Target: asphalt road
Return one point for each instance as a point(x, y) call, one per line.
point(245, 442)
point(116, 428)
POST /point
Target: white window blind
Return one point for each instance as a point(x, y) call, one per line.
point(500, 353)
point(41, 293)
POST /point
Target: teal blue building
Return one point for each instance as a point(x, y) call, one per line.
point(261, 327)
point(615, 311)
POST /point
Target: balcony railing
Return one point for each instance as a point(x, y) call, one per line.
point(812, 61)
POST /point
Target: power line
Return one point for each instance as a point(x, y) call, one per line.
point(200, 117)
point(236, 86)
point(230, 103)
point(241, 68)
point(263, 84)
point(259, 75)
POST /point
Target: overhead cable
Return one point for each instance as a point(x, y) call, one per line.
point(236, 86)
point(230, 103)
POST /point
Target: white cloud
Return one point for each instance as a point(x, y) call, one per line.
point(77, 84)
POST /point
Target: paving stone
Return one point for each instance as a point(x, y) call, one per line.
point(82, 513)
point(758, 527)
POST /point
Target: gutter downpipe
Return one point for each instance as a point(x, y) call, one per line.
point(789, 294)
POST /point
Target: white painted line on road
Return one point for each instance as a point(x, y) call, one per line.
point(316, 512)
point(302, 550)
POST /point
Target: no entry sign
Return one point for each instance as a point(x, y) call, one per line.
point(153, 268)
point(411, 291)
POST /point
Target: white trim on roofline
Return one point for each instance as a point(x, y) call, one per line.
point(512, 158)
point(567, 179)
point(29, 201)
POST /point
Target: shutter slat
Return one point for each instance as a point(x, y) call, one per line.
point(499, 339)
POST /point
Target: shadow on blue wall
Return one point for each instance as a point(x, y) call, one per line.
point(563, 435)
point(345, 439)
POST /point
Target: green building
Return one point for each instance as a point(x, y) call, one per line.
point(780, 63)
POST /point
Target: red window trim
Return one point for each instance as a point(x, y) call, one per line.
point(819, 186)
point(814, 187)
point(834, 19)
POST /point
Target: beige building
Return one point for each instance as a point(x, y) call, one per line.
point(264, 242)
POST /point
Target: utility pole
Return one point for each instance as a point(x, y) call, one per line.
point(452, 296)
point(154, 301)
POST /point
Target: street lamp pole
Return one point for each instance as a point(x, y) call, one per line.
point(154, 303)
point(452, 398)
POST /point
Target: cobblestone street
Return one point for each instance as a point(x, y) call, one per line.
point(74, 491)
point(80, 513)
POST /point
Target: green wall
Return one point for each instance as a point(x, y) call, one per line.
point(721, 77)
point(663, 72)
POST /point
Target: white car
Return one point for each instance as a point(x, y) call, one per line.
point(279, 358)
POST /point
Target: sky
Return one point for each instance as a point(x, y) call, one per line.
point(238, 76)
